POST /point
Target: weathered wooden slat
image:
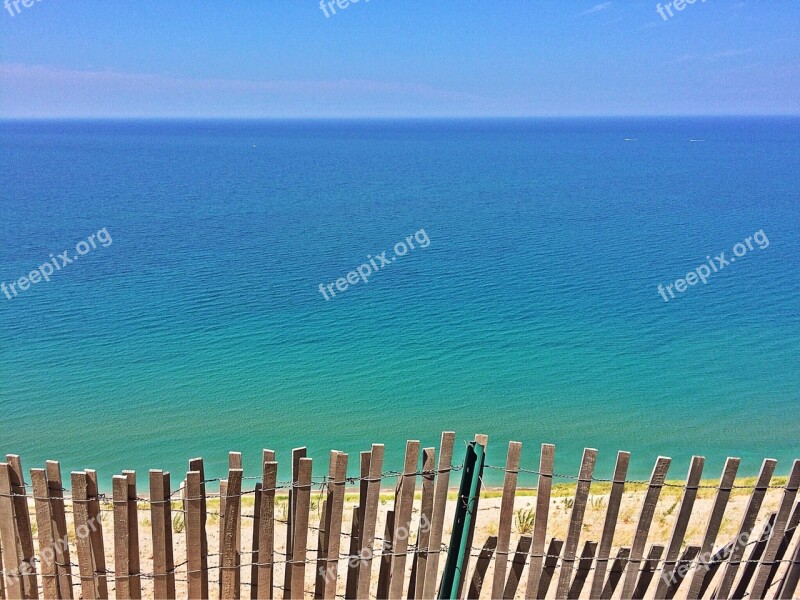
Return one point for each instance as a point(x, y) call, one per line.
point(546, 460)
point(194, 538)
point(776, 536)
point(481, 566)
point(80, 514)
point(582, 572)
point(161, 521)
point(746, 527)
point(266, 529)
point(643, 525)
point(717, 560)
point(615, 573)
point(713, 524)
point(223, 500)
point(368, 526)
point(134, 561)
point(681, 523)
point(751, 564)
point(549, 567)
point(412, 580)
point(2, 577)
point(517, 566)
point(784, 545)
point(682, 569)
point(610, 523)
point(255, 541)
point(337, 489)
point(96, 534)
point(258, 513)
point(648, 571)
point(351, 582)
point(576, 521)
point(324, 529)
point(406, 485)
point(196, 464)
point(297, 454)
point(55, 488)
point(44, 525)
point(230, 543)
point(12, 552)
point(790, 580)
point(354, 563)
point(22, 519)
point(119, 484)
point(385, 566)
point(235, 462)
point(300, 532)
point(506, 518)
point(437, 521)
point(417, 581)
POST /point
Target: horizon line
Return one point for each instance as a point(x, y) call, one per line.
point(398, 118)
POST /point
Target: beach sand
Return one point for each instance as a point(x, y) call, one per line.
point(488, 514)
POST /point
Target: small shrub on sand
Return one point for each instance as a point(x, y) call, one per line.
point(178, 523)
point(525, 518)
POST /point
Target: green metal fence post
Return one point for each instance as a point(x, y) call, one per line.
point(464, 521)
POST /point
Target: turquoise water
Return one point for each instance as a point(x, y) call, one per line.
point(533, 314)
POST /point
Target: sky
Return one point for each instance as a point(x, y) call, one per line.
point(397, 58)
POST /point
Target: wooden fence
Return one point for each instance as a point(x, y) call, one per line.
point(304, 538)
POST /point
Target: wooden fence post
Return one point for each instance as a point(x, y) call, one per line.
point(23, 525)
point(713, 525)
point(122, 571)
point(194, 537)
point(196, 464)
point(300, 533)
point(161, 520)
point(546, 461)
point(776, 534)
point(230, 542)
point(12, 558)
point(96, 534)
point(297, 454)
point(506, 518)
point(55, 489)
point(643, 526)
point(681, 523)
point(134, 565)
point(576, 521)
point(44, 524)
point(402, 530)
point(417, 581)
point(266, 456)
point(433, 551)
point(80, 514)
point(336, 502)
point(746, 528)
point(610, 523)
point(266, 529)
point(367, 537)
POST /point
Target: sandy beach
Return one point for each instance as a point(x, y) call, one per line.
point(488, 517)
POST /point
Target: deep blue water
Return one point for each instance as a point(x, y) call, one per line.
point(533, 313)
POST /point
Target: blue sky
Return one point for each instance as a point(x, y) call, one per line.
point(397, 58)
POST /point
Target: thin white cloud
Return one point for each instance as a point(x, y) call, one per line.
point(729, 54)
point(596, 9)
